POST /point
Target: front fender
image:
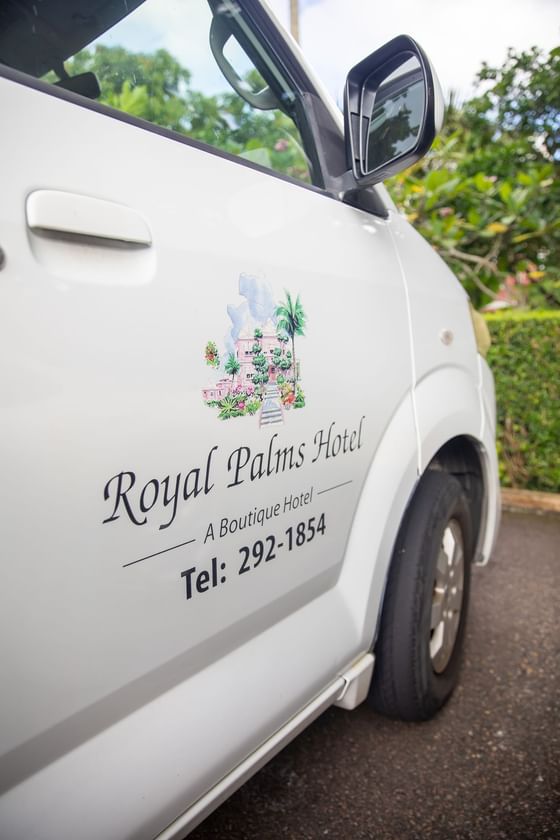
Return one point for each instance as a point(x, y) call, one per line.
point(388, 487)
point(468, 413)
point(448, 405)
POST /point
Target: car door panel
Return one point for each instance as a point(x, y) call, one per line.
point(108, 440)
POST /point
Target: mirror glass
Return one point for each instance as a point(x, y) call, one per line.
point(397, 112)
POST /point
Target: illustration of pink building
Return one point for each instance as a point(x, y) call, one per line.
point(218, 391)
point(244, 352)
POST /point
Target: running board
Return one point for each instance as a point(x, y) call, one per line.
point(347, 692)
point(220, 792)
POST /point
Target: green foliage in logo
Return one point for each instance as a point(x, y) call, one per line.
point(212, 355)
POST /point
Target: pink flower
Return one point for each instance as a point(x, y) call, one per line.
point(281, 145)
point(241, 405)
point(446, 211)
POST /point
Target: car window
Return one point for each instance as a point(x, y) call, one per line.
point(160, 60)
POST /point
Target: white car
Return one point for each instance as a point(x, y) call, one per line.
point(247, 439)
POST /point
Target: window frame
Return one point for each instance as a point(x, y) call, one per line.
point(327, 133)
point(324, 138)
point(308, 136)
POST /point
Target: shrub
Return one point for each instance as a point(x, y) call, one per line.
point(229, 408)
point(252, 406)
point(525, 359)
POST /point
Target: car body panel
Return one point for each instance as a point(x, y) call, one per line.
point(112, 340)
point(149, 661)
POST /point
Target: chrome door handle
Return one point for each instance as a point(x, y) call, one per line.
point(59, 212)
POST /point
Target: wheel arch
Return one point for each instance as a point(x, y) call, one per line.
point(462, 457)
point(393, 482)
point(407, 684)
point(461, 440)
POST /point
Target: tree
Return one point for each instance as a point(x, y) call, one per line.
point(285, 362)
point(487, 194)
point(232, 366)
point(291, 320)
point(525, 96)
point(260, 377)
point(157, 88)
point(153, 86)
point(276, 357)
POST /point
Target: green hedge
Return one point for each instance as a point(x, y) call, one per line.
point(525, 359)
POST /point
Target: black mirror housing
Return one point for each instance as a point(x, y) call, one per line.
point(393, 109)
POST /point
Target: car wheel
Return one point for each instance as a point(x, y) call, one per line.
point(418, 650)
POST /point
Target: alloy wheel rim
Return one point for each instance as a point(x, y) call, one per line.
point(447, 597)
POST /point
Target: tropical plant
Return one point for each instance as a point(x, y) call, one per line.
point(232, 366)
point(291, 320)
point(487, 194)
point(252, 406)
point(211, 355)
point(287, 395)
point(229, 408)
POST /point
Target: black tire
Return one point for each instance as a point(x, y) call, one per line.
point(412, 681)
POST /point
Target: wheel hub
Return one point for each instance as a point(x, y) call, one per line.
point(447, 598)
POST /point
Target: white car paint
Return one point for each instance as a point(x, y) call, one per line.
point(137, 694)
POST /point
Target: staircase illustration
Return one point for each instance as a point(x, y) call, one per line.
point(271, 411)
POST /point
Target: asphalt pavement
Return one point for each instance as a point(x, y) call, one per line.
point(487, 767)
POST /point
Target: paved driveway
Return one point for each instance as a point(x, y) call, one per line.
point(487, 768)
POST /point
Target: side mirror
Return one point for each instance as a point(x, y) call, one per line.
point(393, 109)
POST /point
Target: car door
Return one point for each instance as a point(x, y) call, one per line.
point(201, 351)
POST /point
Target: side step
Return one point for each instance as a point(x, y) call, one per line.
point(347, 692)
point(197, 812)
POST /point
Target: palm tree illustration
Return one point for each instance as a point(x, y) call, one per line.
point(232, 366)
point(291, 319)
